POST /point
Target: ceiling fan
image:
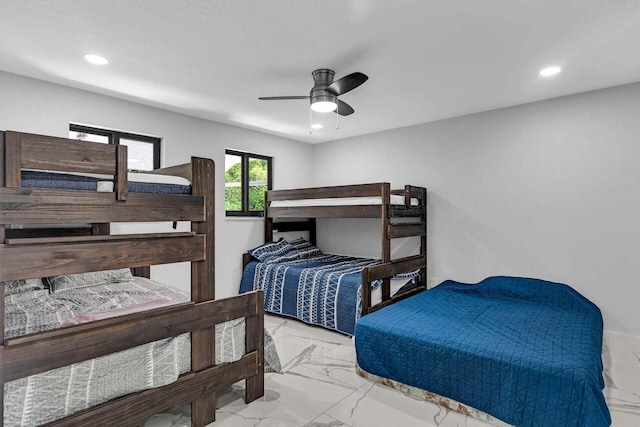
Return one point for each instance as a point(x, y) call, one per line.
point(324, 93)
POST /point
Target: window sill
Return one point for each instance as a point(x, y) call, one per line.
point(243, 217)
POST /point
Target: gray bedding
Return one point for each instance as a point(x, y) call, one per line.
point(60, 392)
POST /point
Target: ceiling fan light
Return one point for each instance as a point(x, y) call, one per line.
point(324, 106)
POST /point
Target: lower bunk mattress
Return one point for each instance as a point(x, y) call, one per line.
point(52, 395)
point(525, 351)
point(323, 290)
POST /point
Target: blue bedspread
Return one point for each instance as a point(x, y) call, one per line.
point(323, 291)
point(37, 179)
point(526, 351)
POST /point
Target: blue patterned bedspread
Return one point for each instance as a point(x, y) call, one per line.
point(323, 291)
point(58, 181)
point(526, 351)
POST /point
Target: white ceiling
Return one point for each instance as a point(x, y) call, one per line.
point(426, 59)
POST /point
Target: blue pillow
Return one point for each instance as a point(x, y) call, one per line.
point(301, 249)
point(270, 251)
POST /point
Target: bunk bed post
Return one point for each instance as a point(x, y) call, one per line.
point(12, 160)
point(268, 221)
point(423, 239)
point(2, 338)
point(366, 291)
point(202, 286)
point(121, 172)
point(100, 229)
point(202, 272)
point(312, 231)
point(2, 160)
point(254, 341)
point(142, 271)
point(386, 240)
point(2, 170)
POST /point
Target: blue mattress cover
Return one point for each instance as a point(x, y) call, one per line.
point(36, 179)
point(524, 350)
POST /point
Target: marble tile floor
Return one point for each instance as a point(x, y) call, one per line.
point(319, 388)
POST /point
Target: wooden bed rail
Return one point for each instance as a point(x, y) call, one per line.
point(287, 226)
point(31, 151)
point(41, 152)
point(358, 190)
point(136, 409)
point(183, 171)
point(382, 190)
point(41, 352)
point(45, 206)
point(410, 192)
point(386, 271)
point(36, 353)
point(57, 256)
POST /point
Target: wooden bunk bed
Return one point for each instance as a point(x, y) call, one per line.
point(50, 250)
point(402, 213)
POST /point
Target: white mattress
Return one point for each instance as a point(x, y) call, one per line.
point(157, 178)
point(107, 185)
point(343, 201)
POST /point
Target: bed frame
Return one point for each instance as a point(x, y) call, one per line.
point(414, 223)
point(44, 252)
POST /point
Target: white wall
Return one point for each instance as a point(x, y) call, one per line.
point(35, 106)
point(548, 190)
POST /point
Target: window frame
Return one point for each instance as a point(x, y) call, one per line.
point(244, 184)
point(115, 136)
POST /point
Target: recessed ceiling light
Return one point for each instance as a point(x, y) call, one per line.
point(96, 59)
point(316, 126)
point(550, 71)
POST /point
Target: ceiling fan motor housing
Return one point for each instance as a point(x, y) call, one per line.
point(322, 77)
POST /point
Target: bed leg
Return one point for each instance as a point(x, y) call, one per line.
point(203, 410)
point(254, 388)
point(254, 385)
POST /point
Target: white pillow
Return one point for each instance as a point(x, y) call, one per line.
point(85, 280)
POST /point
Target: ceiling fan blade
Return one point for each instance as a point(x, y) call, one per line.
point(276, 98)
point(346, 83)
point(344, 109)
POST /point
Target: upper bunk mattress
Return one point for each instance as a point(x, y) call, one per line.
point(343, 201)
point(523, 350)
point(137, 182)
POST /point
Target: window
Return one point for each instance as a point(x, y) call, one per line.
point(143, 151)
point(246, 178)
